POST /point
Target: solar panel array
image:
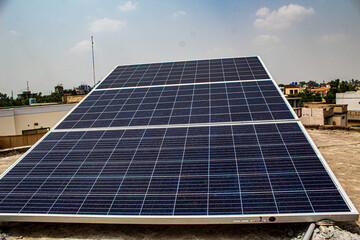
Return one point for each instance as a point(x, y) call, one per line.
point(176, 146)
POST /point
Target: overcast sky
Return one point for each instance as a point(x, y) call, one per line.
point(48, 42)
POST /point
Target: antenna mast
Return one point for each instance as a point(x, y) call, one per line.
point(93, 58)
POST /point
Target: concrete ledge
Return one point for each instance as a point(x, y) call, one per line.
point(331, 127)
point(312, 126)
point(13, 151)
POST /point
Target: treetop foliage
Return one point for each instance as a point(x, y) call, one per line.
point(6, 101)
point(308, 96)
point(337, 87)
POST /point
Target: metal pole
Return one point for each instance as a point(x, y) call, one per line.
point(93, 59)
point(309, 232)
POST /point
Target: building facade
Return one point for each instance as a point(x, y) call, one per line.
point(31, 119)
point(292, 89)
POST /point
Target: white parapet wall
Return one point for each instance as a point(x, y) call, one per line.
point(312, 116)
point(14, 120)
point(352, 99)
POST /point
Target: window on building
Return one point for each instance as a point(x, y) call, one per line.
point(35, 131)
point(296, 91)
point(291, 91)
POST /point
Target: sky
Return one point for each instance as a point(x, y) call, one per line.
point(47, 42)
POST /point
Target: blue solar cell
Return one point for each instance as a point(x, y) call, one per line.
point(195, 204)
point(279, 165)
point(158, 205)
point(286, 182)
point(327, 201)
point(293, 202)
point(255, 183)
point(96, 204)
point(260, 116)
point(282, 115)
point(258, 203)
point(307, 164)
point(223, 204)
point(309, 180)
point(224, 183)
point(67, 204)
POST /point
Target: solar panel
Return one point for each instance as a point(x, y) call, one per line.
point(214, 70)
point(180, 104)
point(223, 168)
point(138, 150)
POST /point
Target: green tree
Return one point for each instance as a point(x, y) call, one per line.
point(337, 87)
point(54, 97)
point(4, 100)
point(312, 84)
point(309, 96)
point(40, 98)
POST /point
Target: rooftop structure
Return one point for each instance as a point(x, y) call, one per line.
point(324, 114)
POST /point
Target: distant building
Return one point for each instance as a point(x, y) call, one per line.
point(26, 95)
point(59, 89)
point(324, 114)
point(292, 89)
point(83, 89)
point(68, 99)
point(322, 90)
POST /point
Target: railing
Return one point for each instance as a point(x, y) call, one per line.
point(19, 140)
point(354, 115)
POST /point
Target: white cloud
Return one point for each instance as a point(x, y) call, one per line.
point(15, 33)
point(267, 39)
point(281, 18)
point(82, 46)
point(178, 14)
point(106, 25)
point(262, 12)
point(128, 6)
point(332, 38)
